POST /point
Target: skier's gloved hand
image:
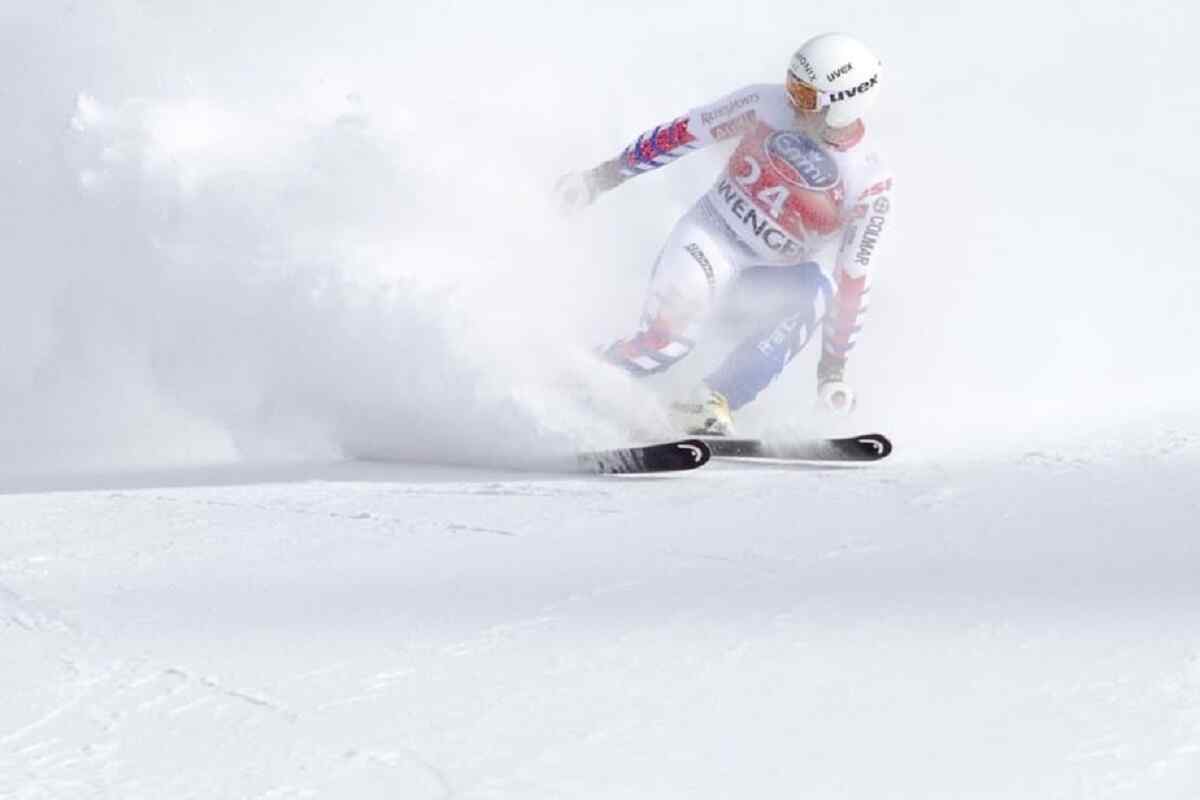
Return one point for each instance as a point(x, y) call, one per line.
point(575, 191)
point(834, 395)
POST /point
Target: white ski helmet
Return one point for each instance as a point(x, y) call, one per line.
point(837, 73)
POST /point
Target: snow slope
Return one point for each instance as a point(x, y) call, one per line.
point(241, 243)
point(1024, 627)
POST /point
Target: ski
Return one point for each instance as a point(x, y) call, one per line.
point(868, 447)
point(664, 457)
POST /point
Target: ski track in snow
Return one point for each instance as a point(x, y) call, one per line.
point(463, 634)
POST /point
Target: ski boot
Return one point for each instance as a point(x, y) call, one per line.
point(706, 413)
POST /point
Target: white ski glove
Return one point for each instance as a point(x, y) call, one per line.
point(575, 191)
point(836, 397)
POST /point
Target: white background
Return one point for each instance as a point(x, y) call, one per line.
point(240, 242)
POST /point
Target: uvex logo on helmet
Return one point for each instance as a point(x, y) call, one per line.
point(862, 88)
point(839, 72)
point(850, 77)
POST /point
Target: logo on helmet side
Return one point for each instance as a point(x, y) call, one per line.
point(813, 166)
point(862, 88)
point(839, 72)
point(803, 62)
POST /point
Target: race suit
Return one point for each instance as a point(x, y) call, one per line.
point(792, 227)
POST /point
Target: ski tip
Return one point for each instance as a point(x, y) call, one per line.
point(871, 446)
point(697, 450)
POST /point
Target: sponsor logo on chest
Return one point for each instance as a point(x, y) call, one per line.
point(795, 155)
point(781, 192)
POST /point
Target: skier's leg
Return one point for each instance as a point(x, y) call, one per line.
point(792, 301)
point(692, 270)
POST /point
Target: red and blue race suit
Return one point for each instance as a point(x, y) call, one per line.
point(791, 228)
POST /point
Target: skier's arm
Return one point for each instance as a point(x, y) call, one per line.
point(857, 258)
point(654, 148)
point(725, 118)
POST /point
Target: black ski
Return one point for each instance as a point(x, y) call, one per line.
point(665, 457)
point(868, 447)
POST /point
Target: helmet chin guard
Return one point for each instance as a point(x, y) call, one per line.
point(836, 73)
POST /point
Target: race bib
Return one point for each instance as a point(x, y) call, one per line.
point(782, 191)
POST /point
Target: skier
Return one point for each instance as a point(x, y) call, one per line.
point(790, 229)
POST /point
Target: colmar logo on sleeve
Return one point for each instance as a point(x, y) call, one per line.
point(870, 238)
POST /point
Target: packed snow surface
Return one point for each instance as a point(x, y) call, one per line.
point(245, 245)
